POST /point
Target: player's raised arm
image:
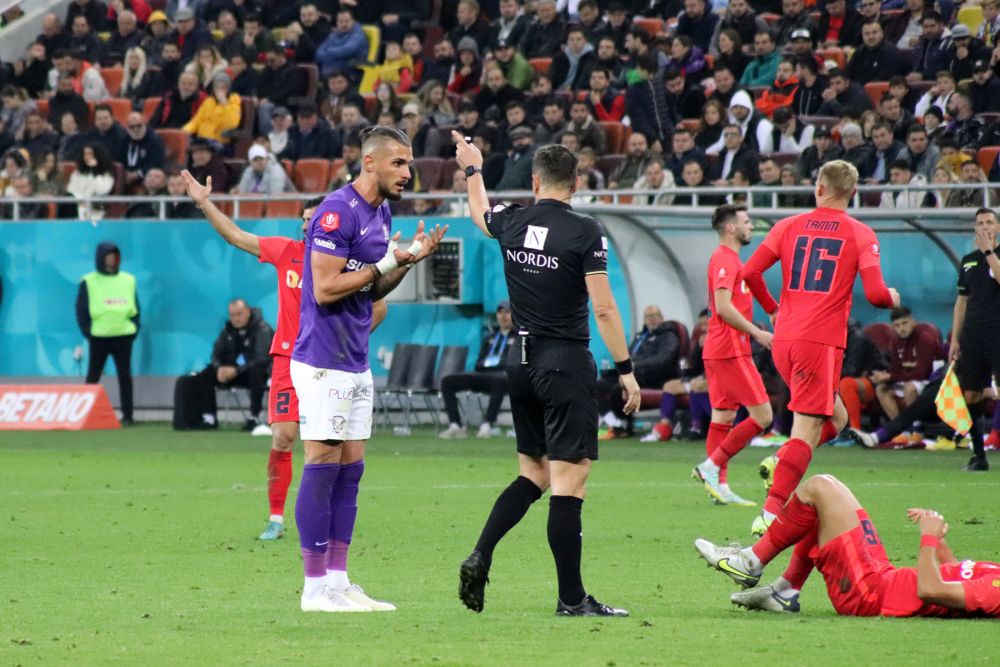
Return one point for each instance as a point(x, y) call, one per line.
point(226, 228)
point(469, 158)
point(930, 586)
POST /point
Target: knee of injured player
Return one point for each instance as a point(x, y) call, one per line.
point(819, 488)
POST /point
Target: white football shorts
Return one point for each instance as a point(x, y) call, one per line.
point(333, 405)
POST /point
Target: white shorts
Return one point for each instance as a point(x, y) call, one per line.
point(333, 405)
point(918, 384)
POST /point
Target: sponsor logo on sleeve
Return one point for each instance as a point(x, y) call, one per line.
point(330, 245)
point(330, 221)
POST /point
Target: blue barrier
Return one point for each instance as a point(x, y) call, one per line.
point(186, 275)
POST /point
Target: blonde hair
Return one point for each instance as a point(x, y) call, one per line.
point(840, 176)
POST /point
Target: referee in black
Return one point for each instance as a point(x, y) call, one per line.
point(555, 260)
point(975, 343)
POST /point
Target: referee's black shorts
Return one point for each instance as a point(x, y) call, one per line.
point(553, 400)
point(979, 359)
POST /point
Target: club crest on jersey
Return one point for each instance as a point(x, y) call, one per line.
point(330, 221)
point(535, 238)
point(875, 249)
point(722, 272)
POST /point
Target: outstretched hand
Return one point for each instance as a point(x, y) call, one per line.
point(466, 154)
point(195, 190)
point(429, 240)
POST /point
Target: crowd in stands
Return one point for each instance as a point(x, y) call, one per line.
point(116, 98)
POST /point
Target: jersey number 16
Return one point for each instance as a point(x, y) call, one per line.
point(817, 259)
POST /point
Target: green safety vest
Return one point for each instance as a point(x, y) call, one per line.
point(112, 304)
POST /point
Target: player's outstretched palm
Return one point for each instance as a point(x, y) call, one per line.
point(429, 240)
point(195, 190)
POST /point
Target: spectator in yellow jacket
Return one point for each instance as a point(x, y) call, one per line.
point(218, 113)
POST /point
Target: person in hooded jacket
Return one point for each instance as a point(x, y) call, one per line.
point(107, 311)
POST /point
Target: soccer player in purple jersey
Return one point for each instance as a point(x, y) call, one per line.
point(351, 260)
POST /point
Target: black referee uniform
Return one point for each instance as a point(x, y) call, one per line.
point(548, 250)
point(979, 341)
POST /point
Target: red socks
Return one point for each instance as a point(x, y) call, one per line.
point(828, 433)
point(793, 460)
point(801, 565)
point(717, 434)
point(852, 400)
point(795, 522)
point(279, 478)
point(737, 439)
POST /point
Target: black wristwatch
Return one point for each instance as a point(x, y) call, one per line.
point(470, 171)
point(988, 252)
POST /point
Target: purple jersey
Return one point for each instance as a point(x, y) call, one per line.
point(336, 336)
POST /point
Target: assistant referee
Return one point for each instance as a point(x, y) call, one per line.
point(555, 260)
point(974, 341)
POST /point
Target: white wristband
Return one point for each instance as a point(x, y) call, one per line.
point(388, 262)
point(415, 248)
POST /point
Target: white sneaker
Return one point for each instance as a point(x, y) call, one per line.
point(332, 601)
point(356, 595)
point(862, 438)
point(485, 431)
point(261, 429)
point(453, 431)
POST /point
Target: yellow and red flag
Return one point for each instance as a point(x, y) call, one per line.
point(950, 403)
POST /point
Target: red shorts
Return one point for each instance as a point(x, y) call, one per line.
point(854, 565)
point(734, 382)
point(812, 373)
point(282, 402)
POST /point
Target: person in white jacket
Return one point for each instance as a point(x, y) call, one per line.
point(754, 125)
point(94, 177)
point(655, 177)
point(901, 174)
point(264, 175)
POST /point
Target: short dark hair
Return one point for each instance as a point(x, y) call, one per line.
point(837, 72)
point(898, 80)
point(682, 130)
point(252, 16)
point(313, 202)
point(900, 164)
point(603, 70)
point(672, 72)
point(882, 125)
point(984, 210)
point(899, 313)
point(639, 33)
point(352, 139)
point(648, 62)
point(724, 213)
point(916, 128)
point(103, 107)
point(575, 28)
point(809, 64)
point(932, 15)
point(555, 166)
point(887, 97)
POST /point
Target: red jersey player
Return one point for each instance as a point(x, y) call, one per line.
point(286, 255)
point(733, 380)
point(821, 252)
point(831, 531)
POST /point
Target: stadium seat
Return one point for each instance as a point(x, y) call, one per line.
point(986, 156)
point(235, 167)
point(930, 329)
point(251, 208)
point(606, 164)
point(881, 334)
point(447, 169)
point(370, 102)
point(121, 107)
point(335, 166)
point(284, 208)
point(149, 106)
point(541, 65)
point(972, 16)
point(312, 79)
point(653, 26)
point(921, 87)
point(176, 144)
point(769, 18)
point(428, 171)
point(684, 338)
point(691, 124)
point(90, 114)
point(42, 106)
point(834, 53)
point(616, 135)
point(66, 170)
point(875, 90)
point(785, 158)
point(113, 79)
point(289, 166)
point(311, 175)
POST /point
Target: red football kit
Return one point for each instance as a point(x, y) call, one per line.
point(287, 256)
point(821, 253)
point(861, 581)
point(733, 380)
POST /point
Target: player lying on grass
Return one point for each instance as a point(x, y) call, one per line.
point(831, 531)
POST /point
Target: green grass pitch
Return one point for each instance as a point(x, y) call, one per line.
point(137, 547)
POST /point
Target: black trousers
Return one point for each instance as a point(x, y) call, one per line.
point(120, 349)
point(492, 383)
point(253, 380)
point(922, 410)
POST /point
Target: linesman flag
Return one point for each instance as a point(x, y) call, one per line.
point(950, 403)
